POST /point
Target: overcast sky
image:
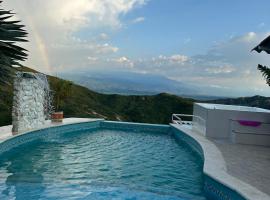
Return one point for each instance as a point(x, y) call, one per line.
point(200, 42)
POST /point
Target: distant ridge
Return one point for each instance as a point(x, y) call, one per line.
point(254, 101)
point(87, 103)
point(134, 108)
point(129, 83)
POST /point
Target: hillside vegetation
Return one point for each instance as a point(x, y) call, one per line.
point(83, 102)
point(255, 101)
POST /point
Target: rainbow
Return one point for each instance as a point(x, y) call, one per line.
point(42, 48)
point(38, 40)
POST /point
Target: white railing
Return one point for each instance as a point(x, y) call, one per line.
point(196, 122)
point(176, 119)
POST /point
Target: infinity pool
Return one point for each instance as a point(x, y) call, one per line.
point(102, 164)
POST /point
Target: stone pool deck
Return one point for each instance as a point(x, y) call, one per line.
point(248, 163)
point(246, 168)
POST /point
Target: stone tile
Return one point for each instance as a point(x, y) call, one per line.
point(248, 163)
point(244, 168)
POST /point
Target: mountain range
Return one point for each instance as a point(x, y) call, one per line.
point(83, 102)
point(131, 83)
point(128, 83)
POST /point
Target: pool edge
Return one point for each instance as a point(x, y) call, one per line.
point(52, 125)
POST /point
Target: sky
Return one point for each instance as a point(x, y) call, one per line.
point(203, 43)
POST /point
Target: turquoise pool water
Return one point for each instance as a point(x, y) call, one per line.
point(102, 164)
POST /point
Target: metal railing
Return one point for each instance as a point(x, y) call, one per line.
point(196, 122)
point(177, 119)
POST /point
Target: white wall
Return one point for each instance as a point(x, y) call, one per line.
point(223, 124)
point(198, 125)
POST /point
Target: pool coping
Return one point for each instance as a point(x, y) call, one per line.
point(51, 125)
point(215, 166)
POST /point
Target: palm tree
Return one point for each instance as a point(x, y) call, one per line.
point(264, 46)
point(11, 32)
point(265, 72)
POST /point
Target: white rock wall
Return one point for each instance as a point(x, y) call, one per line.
point(28, 104)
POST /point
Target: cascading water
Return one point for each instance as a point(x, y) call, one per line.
point(32, 101)
point(48, 107)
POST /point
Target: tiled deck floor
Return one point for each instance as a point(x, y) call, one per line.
point(248, 163)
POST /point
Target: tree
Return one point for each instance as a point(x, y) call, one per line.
point(62, 90)
point(264, 46)
point(11, 32)
point(265, 72)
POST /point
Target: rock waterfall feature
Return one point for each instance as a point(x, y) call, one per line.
point(31, 101)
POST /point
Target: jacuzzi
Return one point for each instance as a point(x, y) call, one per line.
point(239, 124)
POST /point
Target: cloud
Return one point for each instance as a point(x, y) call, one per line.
point(73, 15)
point(124, 61)
point(53, 25)
point(105, 48)
point(103, 36)
point(175, 59)
point(220, 69)
point(77, 44)
point(69, 34)
point(92, 59)
point(138, 20)
point(228, 64)
point(178, 58)
point(218, 87)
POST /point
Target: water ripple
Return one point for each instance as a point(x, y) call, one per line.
point(102, 164)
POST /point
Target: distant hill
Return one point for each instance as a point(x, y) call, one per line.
point(134, 108)
point(255, 101)
point(87, 103)
point(128, 83)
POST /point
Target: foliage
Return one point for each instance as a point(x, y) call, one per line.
point(255, 101)
point(62, 90)
point(264, 46)
point(82, 102)
point(11, 31)
point(265, 72)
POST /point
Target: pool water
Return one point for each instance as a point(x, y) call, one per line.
point(102, 164)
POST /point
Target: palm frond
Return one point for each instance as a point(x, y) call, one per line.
point(11, 31)
point(265, 73)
